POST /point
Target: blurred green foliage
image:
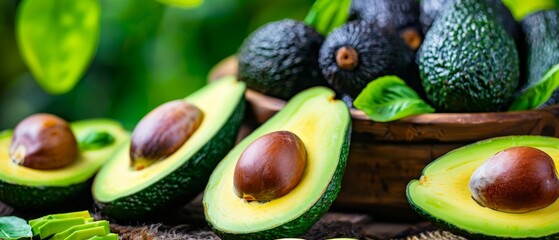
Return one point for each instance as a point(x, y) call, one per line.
point(148, 53)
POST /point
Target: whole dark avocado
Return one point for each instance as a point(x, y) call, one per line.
point(541, 41)
point(429, 10)
point(401, 15)
point(468, 63)
point(359, 52)
point(281, 58)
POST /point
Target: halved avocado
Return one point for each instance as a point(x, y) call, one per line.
point(324, 125)
point(33, 189)
point(123, 193)
point(443, 196)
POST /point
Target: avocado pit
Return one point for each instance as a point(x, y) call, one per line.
point(162, 132)
point(43, 141)
point(270, 167)
point(516, 180)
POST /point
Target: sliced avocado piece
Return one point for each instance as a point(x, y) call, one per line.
point(442, 194)
point(88, 233)
point(110, 236)
point(467, 62)
point(83, 214)
point(324, 125)
point(66, 233)
point(33, 189)
point(54, 226)
point(127, 194)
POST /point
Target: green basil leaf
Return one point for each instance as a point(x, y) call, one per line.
point(537, 94)
point(14, 228)
point(389, 98)
point(58, 39)
point(182, 3)
point(95, 140)
point(326, 15)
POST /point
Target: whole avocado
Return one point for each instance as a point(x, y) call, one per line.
point(281, 58)
point(468, 63)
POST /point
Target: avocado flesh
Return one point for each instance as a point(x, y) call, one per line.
point(323, 124)
point(126, 194)
point(467, 62)
point(27, 188)
point(442, 194)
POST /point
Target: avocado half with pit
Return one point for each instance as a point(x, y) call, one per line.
point(125, 193)
point(34, 189)
point(323, 124)
point(442, 194)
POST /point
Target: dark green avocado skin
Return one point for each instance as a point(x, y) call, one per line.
point(280, 59)
point(175, 190)
point(468, 63)
point(400, 14)
point(541, 41)
point(380, 52)
point(42, 198)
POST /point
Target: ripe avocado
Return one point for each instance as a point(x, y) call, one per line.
point(126, 194)
point(442, 194)
point(33, 189)
point(468, 63)
point(323, 125)
point(541, 39)
point(358, 52)
point(402, 15)
point(281, 58)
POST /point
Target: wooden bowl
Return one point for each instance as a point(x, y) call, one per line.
point(384, 157)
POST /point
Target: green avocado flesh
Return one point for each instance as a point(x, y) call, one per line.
point(27, 188)
point(442, 193)
point(70, 226)
point(124, 193)
point(323, 124)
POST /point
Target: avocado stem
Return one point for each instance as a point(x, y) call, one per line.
point(347, 58)
point(412, 38)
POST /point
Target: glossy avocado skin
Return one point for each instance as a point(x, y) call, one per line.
point(429, 10)
point(380, 52)
point(541, 41)
point(281, 58)
point(468, 63)
point(399, 14)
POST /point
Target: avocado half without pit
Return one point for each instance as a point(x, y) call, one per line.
point(263, 189)
point(501, 188)
point(172, 153)
point(46, 162)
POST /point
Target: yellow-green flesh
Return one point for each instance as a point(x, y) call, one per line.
point(117, 179)
point(321, 122)
point(443, 193)
point(88, 162)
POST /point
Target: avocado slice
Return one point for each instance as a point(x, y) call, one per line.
point(442, 194)
point(468, 63)
point(110, 236)
point(324, 126)
point(97, 228)
point(125, 194)
point(33, 189)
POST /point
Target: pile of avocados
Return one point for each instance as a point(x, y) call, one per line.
point(458, 55)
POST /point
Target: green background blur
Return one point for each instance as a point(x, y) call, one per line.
point(148, 54)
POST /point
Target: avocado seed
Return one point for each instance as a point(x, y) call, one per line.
point(270, 167)
point(162, 132)
point(43, 141)
point(516, 180)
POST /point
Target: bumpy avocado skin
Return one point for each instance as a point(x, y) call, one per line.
point(41, 198)
point(541, 41)
point(468, 63)
point(171, 191)
point(280, 59)
point(380, 52)
point(399, 14)
point(301, 224)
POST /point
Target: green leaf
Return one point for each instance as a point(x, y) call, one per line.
point(95, 140)
point(326, 15)
point(14, 228)
point(538, 93)
point(182, 3)
point(58, 39)
point(389, 98)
